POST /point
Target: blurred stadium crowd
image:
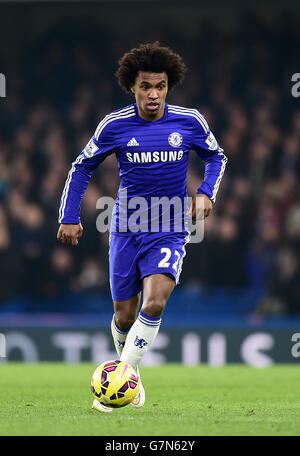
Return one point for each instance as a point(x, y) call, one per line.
point(239, 81)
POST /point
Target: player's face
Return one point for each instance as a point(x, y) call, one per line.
point(150, 90)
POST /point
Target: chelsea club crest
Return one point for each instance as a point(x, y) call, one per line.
point(175, 139)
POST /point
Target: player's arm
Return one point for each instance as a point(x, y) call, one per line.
point(208, 149)
point(99, 147)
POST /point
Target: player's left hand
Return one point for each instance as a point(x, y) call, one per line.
point(202, 209)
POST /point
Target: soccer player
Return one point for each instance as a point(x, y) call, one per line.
point(151, 140)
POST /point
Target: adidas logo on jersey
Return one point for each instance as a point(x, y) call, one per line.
point(133, 142)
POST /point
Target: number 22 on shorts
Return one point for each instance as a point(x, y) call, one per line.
point(164, 263)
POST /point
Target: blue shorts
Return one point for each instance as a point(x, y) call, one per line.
point(131, 258)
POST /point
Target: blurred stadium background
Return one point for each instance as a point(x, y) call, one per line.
point(239, 298)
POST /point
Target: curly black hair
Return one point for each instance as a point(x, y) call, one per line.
point(150, 57)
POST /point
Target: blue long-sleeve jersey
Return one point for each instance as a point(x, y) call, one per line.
point(152, 157)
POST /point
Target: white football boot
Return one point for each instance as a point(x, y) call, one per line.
point(139, 401)
point(100, 407)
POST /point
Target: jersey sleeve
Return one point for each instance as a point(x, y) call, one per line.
point(98, 148)
point(208, 149)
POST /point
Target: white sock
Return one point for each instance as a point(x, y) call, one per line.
point(119, 336)
point(139, 339)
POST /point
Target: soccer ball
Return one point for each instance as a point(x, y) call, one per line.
point(115, 383)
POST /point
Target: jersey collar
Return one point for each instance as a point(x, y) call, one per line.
point(150, 121)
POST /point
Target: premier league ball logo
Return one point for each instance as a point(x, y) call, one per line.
point(90, 148)
point(175, 139)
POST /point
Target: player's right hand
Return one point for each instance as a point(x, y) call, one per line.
point(69, 234)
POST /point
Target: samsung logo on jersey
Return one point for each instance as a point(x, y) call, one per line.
point(154, 157)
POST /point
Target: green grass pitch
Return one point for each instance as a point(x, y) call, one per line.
point(55, 399)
